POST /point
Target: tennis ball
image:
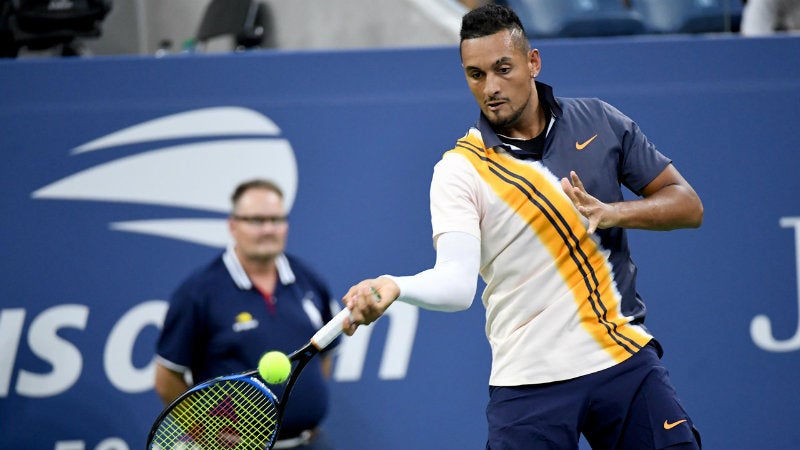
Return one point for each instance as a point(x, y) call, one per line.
point(274, 367)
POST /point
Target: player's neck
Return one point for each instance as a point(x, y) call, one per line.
point(529, 126)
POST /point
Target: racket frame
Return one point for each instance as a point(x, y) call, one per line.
point(300, 358)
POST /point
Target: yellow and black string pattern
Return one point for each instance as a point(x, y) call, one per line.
point(232, 413)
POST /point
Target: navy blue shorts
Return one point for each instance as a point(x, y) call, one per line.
point(631, 406)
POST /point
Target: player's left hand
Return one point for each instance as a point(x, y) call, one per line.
point(601, 215)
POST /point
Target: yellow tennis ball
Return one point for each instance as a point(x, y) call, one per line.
point(274, 367)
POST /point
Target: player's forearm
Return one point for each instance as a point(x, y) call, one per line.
point(451, 284)
point(672, 207)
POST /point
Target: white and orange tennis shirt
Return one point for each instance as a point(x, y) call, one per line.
point(560, 303)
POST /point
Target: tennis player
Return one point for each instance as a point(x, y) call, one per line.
point(531, 199)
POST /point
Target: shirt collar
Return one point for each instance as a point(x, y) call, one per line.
point(546, 97)
point(239, 276)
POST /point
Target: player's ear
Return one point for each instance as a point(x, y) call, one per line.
point(534, 62)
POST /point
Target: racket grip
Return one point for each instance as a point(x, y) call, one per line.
point(330, 330)
point(333, 329)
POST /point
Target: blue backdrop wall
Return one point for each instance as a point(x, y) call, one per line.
point(115, 179)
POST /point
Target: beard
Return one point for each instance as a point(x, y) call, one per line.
point(504, 123)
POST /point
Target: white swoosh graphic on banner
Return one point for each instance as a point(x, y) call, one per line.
point(220, 121)
point(198, 175)
point(210, 232)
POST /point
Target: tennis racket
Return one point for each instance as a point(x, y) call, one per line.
point(234, 411)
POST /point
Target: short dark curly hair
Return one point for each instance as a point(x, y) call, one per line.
point(489, 19)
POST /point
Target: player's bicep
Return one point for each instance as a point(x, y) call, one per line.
point(669, 176)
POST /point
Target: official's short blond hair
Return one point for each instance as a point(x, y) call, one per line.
point(256, 183)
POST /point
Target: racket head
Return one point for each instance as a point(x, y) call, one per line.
point(235, 411)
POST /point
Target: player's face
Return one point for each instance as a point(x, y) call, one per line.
point(258, 225)
point(499, 74)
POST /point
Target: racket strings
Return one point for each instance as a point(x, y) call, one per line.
point(233, 414)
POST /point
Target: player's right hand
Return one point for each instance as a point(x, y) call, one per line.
point(367, 301)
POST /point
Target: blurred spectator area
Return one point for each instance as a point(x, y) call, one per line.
point(171, 26)
point(591, 18)
point(144, 26)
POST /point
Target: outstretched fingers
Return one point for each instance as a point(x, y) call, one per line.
point(587, 205)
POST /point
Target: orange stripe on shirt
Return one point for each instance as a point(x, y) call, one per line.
point(552, 217)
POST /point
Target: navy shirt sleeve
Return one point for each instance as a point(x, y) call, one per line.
point(640, 161)
point(181, 333)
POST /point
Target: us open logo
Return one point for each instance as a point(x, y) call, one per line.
point(197, 175)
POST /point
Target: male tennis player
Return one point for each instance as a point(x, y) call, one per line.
point(531, 199)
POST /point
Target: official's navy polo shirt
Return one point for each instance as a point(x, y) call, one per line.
point(219, 324)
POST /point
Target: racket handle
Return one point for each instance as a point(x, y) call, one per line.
point(331, 330)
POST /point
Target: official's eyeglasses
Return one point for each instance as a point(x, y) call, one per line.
point(261, 220)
